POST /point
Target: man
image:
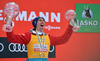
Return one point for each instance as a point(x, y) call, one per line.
point(37, 41)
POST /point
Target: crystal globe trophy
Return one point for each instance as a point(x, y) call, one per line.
point(11, 10)
point(70, 15)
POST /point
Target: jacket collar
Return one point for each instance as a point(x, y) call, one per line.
point(34, 32)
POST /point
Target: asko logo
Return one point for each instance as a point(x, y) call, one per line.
point(55, 17)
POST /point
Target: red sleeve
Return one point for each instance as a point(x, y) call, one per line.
point(56, 40)
point(19, 38)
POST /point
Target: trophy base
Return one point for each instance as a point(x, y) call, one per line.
point(7, 28)
point(76, 28)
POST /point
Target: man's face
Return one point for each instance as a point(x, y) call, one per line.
point(40, 24)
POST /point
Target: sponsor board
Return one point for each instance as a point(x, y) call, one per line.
point(15, 50)
point(88, 17)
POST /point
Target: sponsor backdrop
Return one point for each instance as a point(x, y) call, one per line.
point(88, 17)
point(84, 45)
point(17, 50)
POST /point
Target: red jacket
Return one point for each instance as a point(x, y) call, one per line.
point(25, 37)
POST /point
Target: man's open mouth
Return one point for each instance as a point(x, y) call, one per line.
point(42, 25)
